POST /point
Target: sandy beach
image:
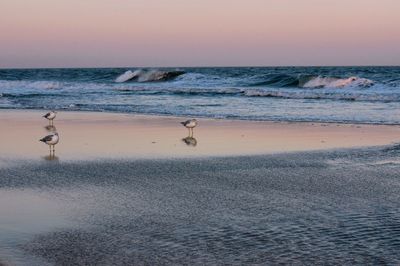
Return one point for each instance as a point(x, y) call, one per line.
point(225, 132)
point(125, 189)
point(90, 135)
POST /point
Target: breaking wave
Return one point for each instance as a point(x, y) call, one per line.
point(358, 94)
point(312, 82)
point(331, 82)
point(141, 75)
point(334, 89)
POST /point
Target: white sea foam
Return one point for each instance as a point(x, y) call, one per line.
point(128, 75)
point(324, 94)
point(330, 82)
point(152, 75)
point(17, 84)
point(194, 77)
point(147, 75)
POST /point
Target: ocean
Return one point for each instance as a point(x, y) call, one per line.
point(317, 94)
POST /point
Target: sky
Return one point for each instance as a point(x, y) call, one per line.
point(122, 33)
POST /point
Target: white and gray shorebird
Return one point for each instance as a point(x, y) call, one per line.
point(190, 124)
point(51, 140)
point(50, 116)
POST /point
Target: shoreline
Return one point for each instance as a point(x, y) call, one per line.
point(206, 118)
point(96, 135)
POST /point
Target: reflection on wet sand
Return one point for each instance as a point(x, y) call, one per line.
point(51, 128)
point(51, 139)
point(51, 157)
point(190, 141)
point(87, 136)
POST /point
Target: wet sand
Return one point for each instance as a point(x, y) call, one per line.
point(247, 193)
point(324, 207)
point(85, 136)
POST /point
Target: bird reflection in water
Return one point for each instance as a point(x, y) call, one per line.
point(51, 139)
point(51, 157)
point(190, 141)
point(51, 128)
point(190, 125)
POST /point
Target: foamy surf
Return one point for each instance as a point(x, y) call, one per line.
point(141, 75)
point(20, 84)
point(334, 94)
point(128, 75)
point(331, 82)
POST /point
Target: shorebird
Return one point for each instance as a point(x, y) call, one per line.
point(50, 116)
point(51, 140)
point(190, 124)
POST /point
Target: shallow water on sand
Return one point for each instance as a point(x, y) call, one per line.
point(336, 207)
point(90, 136)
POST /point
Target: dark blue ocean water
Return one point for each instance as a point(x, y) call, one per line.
point(326, 94)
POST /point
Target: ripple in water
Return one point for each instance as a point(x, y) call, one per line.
point(279, 209)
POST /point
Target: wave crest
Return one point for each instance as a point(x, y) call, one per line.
point(311, 82)
point(278, 81)
point(141, 75)
point(331, 82)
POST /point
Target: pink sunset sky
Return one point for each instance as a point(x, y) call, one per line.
point(118, 33)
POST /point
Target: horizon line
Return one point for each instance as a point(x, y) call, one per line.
point(215, 66)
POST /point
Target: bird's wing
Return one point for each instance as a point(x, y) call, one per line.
point(46, 115)
point(47, 138)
